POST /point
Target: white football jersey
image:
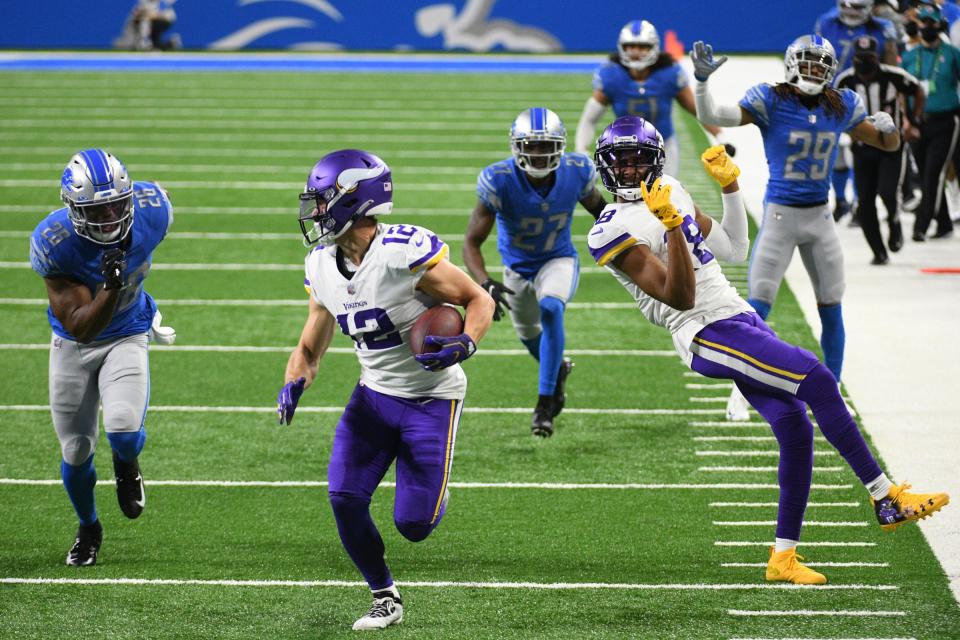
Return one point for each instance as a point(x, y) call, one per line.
point(622, 225)
point(377, 303)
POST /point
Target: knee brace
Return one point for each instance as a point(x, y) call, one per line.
point(77, 449)
point(415, 531)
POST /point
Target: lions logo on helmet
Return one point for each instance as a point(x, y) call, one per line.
point(629, 151)
point(342, 187)
point(638, 33)
point(537, 140)
point(810, 64)
point(98, 194)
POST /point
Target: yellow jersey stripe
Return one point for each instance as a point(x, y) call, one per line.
point(612, 253)
point(434, 260)
point(446, 461)
point(766, 367)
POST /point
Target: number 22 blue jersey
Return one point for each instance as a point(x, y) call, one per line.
point(533, 229)
point(800, 143)
point(57, 251)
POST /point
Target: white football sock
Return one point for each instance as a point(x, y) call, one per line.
point(879, 487)
point(784, 544)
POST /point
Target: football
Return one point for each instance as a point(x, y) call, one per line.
point(442, 320)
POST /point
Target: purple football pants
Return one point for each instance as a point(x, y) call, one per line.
point(780, 380)
point(375, 430)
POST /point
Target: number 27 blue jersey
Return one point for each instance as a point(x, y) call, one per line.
point(800, 143)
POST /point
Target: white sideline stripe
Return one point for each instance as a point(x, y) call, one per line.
point(294, 238)
point(730, 543)
point(199, 302)
point(777, 504)
point(273, 410)
point(771, 523)
point(735, 438)
point(693, 385)
point(727, 424)
point(765, 469)
point(443, 584)
point(812, 612)
point(252, 266)
point(754, 454)
point(877, 565)
point(349, 350)
point(560, 486)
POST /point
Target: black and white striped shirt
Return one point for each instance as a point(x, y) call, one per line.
point(881, 93)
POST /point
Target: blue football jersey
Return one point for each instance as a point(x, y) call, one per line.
point(533, 228)
point(842, 37)
point(800, 143)
point(651, 99)
point(57, 251)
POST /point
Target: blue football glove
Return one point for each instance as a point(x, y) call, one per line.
point(704, 64)
point(453, 350)
point(287, 400)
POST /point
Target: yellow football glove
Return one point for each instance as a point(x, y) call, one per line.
point(719, 165)
point(657, 199)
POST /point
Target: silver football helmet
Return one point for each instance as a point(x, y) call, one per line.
point(638, 32)
point(810, 64)
point(98, 193)
point(854, 13)
point(537, 140)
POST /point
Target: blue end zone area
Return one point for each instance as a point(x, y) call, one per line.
point(298, 63)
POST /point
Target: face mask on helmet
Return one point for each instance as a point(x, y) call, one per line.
point(343, 187)
point(810, 66)
point(638, 45)
point(626, 161)
point(98, 194)
point(537, 141)
point(854, 13)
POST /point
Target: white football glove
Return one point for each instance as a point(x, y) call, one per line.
point(159, 334)
point(883, 122)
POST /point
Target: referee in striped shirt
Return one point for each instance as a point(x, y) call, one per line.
point(882, 88)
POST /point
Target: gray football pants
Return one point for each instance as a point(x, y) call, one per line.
point(557, 278)
point(810, 229)
point(113, 372)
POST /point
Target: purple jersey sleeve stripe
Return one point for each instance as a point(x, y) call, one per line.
point(609, 251)
point(436, 247)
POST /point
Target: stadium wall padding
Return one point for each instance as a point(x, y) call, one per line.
point(397, 25)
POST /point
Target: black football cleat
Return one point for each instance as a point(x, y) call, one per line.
point(895, 241)
point(542, 425)
point(130, 492)
point(85, 548)
point(560, 393)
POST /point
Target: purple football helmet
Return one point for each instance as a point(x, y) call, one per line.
point(629, 151)
point(343, 186)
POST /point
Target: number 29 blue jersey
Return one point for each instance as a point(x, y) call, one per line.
point(533, 229)
point(57, 251)
point(800, 143)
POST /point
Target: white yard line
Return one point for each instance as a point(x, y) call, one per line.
point(301, 302)
point(220, 348)
point(756, 454)
point(763, 469)
point(870, 565)
point(771, 523)
point(730, 438)
point(739, 505)
point(811, 612)
point(253, 266)
point(446, 584)
point(557, 486)
point(737, 543)
point(339, 409)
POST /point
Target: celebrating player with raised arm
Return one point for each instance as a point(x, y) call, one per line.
point(531, 196)
point(666, 254)
point(800, 121)
point(94, 255)
point(373, 281)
